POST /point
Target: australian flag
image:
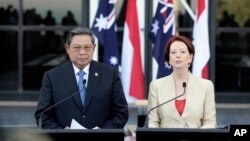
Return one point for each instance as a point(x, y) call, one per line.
point(104, 28)
point(162, 29)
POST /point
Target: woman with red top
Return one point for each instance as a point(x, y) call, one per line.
point(192, 104)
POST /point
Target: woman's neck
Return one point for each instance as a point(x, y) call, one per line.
point(181, 76)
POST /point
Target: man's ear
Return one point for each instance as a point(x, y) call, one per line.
point(94, 46)
point(66, 46)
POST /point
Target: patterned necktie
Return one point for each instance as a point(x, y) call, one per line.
point(81, 86)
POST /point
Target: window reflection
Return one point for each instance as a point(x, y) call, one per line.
point(42, 51)
point(232, 49)
point(39, 12)
point(8, 56)
point(9, 15)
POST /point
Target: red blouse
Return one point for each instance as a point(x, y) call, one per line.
point(180, 104)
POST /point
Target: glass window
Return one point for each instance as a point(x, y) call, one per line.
point(52, 12)
point(9, 12)
point(232, 46)
point(42, 51)
point(8, 57)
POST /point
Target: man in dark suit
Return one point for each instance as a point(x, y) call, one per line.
point(103, 103)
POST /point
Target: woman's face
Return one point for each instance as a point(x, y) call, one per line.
point(179, 56)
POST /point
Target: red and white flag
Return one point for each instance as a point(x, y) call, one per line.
point(201, 40)
point(132, 73)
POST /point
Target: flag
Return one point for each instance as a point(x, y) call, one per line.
point(132, 73)
point(201, 40)
point(162, 29)
point(104, 29)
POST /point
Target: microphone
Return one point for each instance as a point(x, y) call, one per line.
point(59, 102)
point(146, 121)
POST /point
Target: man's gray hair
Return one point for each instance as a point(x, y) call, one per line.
point(80, 31)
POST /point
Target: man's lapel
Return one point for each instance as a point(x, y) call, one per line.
point(93, 81)
point(69, 79)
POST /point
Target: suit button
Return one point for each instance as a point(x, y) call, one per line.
point(83, 116)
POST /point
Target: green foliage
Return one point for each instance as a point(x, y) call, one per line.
point(239, 8)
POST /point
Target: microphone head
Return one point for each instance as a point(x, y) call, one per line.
point(84, 81)
point(184, 84)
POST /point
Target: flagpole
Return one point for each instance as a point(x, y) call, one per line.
point(189, 10)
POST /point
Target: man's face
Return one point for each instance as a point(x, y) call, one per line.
point(80, 50)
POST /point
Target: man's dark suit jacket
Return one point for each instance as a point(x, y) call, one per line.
point(105, 102)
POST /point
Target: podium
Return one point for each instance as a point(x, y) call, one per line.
point(181, 134)
point(24, 134)
point(86, 134)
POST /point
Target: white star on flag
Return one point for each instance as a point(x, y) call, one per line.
point(101, 23)
point(104, 28)
point(113, 60)
point(167, 65)
point(155, 27)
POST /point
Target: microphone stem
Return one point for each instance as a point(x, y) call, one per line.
point(40, 123)
point(146, 120)
point(40, 118)
point(165, 102)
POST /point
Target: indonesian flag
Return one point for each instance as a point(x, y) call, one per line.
point(201, 40)
point(132, 73)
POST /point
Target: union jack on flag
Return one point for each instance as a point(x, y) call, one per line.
point(104, 28)
point(162, 29)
